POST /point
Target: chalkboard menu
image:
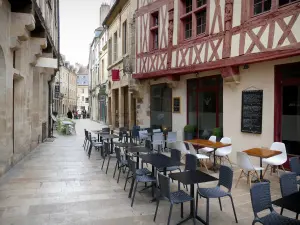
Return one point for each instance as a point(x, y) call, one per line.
point(176, 105)
point(252, 104)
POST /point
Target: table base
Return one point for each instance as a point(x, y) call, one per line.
point(191, 217)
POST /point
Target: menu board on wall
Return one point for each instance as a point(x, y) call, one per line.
point(252, 105)
point(176, 105)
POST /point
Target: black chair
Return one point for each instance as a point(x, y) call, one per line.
point(106, 129)
point(106, 154)
point(190, 164)
point(261, 200)
point(85, 139)
point(295, 166)
point(178, 197)
point(138, 178)
point(120, 163)
point(225, 180)
point(288, 186)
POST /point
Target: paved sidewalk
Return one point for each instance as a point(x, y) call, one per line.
point(58, 184)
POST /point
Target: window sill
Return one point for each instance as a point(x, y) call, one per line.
point(115, 63)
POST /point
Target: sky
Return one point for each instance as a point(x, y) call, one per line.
point(78, 20)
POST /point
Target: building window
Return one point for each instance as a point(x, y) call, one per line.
point(82, 98)
point(261, 6)
point(124, 44)
point(193, 18)
point(86, 100)
point(154, 30)
point(115, 46)
point(102, 68)
point(109, 52)
point(284, 2)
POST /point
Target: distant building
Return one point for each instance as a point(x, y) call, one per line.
point(82, 88)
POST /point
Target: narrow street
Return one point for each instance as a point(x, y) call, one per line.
point(57, 184)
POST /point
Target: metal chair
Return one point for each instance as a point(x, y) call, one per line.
point(177, 197)
point(91, 144)
point(120, 163)
point(261, 200)
point(288, 186)
point(143, 135)
point(171, 137)
point(158, 141)
point(138, 178)
point(225, 180)
point(175, 156)
point(247, 168)
point(295, 166)
point(106, 154)
point(135, 133)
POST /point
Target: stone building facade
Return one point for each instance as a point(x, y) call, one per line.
point(206, 55)
point(83, 88)
point(120, 23)
point(28, 48)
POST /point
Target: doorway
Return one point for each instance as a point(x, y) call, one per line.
point(287, 107)
point(205, 104)
point(116, 107)
point(126, 107)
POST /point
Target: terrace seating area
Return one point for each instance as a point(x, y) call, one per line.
point(162, 167)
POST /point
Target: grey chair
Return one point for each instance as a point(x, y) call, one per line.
point(120, 163)
point(225, 180)
point(92, 143)
point(138, 178)
point(106, 154)
point(177, 197)
point(261, 200)
point(288, 186)
point(295, 166)
point(176, 156)
point(190, 164)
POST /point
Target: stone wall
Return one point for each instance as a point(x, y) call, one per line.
point(23, 86)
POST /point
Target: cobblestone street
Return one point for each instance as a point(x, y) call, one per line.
point(57, 184)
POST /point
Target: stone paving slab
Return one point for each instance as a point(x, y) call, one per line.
point(56, 184)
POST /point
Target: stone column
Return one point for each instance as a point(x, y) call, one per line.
point(35, 115)
point(121, 107)
point(130, 124)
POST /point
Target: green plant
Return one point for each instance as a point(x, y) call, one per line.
point(189, 128)
point(217, 132)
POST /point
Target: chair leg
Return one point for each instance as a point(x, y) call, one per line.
point(281, 211)
point(297, 215)
point(205, 166)
point(181, 210)
point(233, 208)
point(115, 169)
point(220, 203)
point(227, 157)
point(170, 214)
point(135, 187)
point(107, 164)
point(120, 168)
point(194, 220)
point(157, 204)
point(103, 163)
point(266, 170)
point(282, 168)
point(239, 178)
point(127, 177)
point(207, 211)
point(196, 211)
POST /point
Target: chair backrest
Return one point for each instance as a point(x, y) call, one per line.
point(182, 146)
point(176, 155)
point(288, 184)
point(164, 184)
point(148, 144)
point(118, 154)
point(192, 149)
point(158, 138)
point(244, 162)
point(295, 165)
point(106, 129)
point(225, 177)
point(212, 138)
point(149, 130)
point(260, 197)
point(120, 136)
point(156, 130)
point(190, 162)
point(106, 148)
point(225, 150)
point(143, 134)
point(172, 136)
point(135, 131)
point(132, 166)
point(282, 158)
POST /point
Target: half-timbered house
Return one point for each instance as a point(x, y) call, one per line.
point(195, 59)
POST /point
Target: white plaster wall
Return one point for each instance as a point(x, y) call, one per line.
point(237, 12)
point(261, 76)
point(175, 23)
point(212, 13)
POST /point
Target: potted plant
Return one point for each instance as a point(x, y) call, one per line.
point(218, 133)
point(189, 131)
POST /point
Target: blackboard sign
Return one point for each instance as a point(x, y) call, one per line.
point(252, 104)
point(176, 105)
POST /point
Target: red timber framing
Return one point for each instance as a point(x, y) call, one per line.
point(212, 51)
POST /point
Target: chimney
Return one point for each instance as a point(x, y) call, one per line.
point(104, 9)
